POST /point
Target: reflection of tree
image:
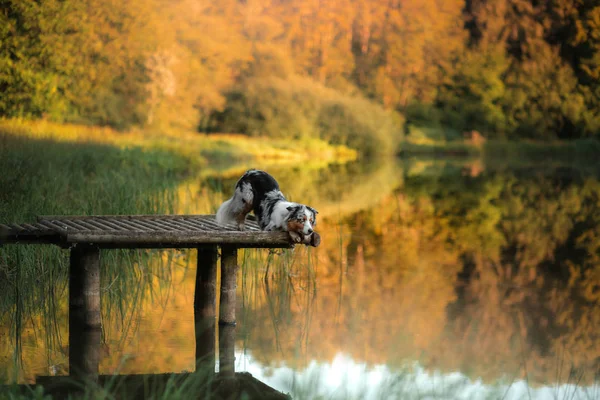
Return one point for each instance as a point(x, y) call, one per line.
point(495, 275)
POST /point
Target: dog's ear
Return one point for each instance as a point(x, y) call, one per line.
point(313, 210)
point(290, 208)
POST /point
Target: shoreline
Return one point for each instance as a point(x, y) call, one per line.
point(198, 149)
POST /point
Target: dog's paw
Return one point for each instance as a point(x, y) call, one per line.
point(296, 237)
point(315, 239)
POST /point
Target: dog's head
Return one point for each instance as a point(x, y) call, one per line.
point(301, 219)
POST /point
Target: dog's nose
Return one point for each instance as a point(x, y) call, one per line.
point(310, 231)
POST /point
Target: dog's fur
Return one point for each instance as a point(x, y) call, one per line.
point(259, 192)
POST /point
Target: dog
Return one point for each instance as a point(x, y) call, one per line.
point(259, 192)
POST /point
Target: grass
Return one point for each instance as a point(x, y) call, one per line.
point(49, 177)
point(198, 150)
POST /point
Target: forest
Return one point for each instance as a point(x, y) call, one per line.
point(348, 71)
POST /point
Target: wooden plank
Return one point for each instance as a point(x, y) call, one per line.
point(183, 225)
point(156, 226)
point(134, 217)
point(139, 226)
point(106, 221)
point(87, 225)
point(143, 225)
point(262, 239)
point(16, 227)
point(214, 225)
point(146, 231)
point(98, 225)
point(202, 223)
point(204, 219)
point(197, 226)
point(250, 224)
point(123, 225)
point(169, 224)
point(58, 228)
point(74, 225)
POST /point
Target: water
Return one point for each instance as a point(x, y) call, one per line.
point(433, 279)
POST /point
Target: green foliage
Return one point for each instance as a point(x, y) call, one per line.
point(29, 80)
point(543, 100)
point(508, 68)
point(471, 96)
point(301, 108)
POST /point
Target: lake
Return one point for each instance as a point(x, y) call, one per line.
point(434, 278)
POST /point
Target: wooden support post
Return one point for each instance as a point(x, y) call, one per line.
point(204, 308)
point(227, 351)
point(229, 269)
point(85, 327)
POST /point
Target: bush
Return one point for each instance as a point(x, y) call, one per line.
point(302, 108)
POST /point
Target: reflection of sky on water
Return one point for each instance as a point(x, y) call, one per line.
point(347, 379)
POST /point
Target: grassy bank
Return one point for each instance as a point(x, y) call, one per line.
point(199, 150)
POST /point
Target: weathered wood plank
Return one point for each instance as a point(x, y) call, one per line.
point(74, 225)
point(144, 226)
point(275, 239)
point(122, 224)
point(144, 231)
point(197, 225)
point(107, 221)
point(97, 224)
point(87, 225)
point(51, 225)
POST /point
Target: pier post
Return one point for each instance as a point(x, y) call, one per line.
point(229, 270)
point(85, 328)
point(204, 307)
point(227, 351)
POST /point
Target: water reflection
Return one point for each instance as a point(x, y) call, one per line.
point(345, 378)
point(487, 280)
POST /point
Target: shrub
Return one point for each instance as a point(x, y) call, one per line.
point(302, 108)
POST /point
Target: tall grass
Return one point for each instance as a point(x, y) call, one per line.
point(49, 177)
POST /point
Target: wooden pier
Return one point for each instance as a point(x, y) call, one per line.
point(87, 236)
